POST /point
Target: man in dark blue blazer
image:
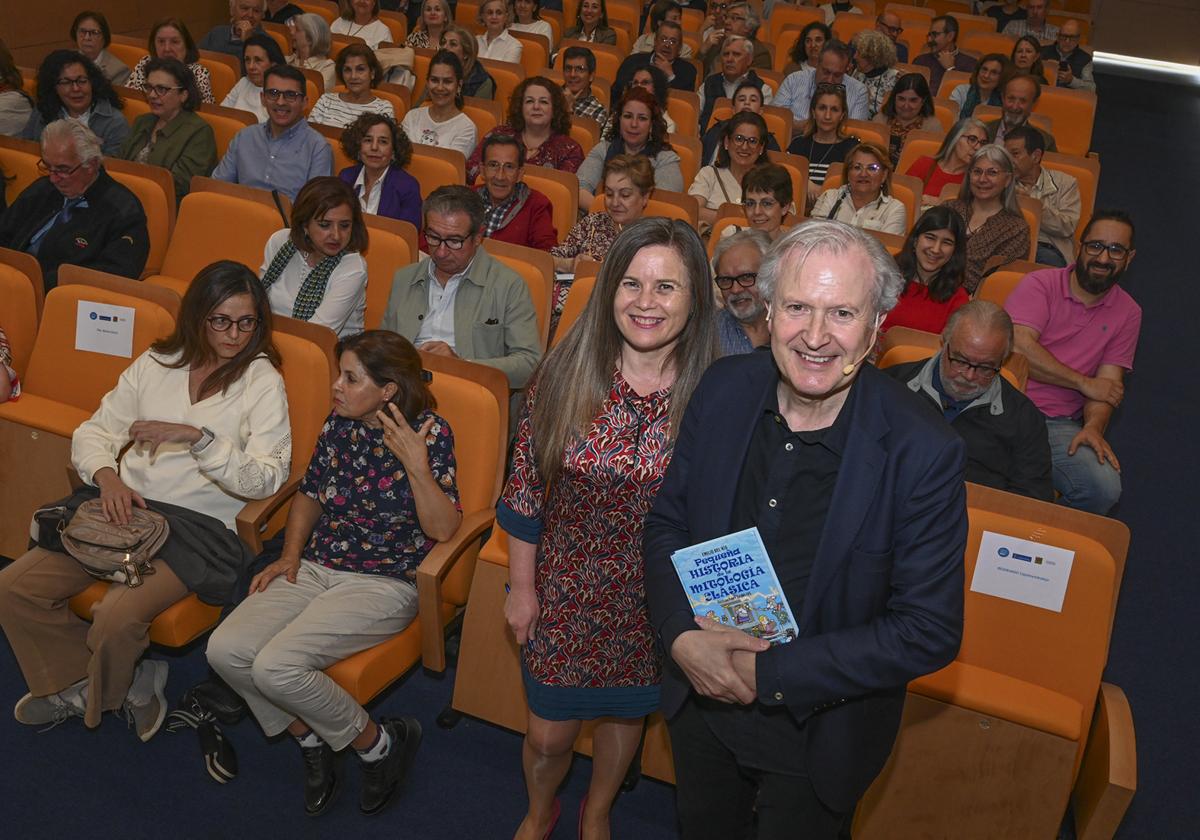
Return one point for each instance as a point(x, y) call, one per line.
point(858, 495)
point(680, 73)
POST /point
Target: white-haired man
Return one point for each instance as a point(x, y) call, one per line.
point(245, 19)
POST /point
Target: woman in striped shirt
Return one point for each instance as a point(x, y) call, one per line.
point(359, 70)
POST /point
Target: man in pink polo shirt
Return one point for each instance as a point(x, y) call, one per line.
point(1079, 331)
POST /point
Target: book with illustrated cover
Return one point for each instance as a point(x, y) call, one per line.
point(731, 580)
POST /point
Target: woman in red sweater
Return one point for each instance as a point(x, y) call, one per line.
point(934, 262)
point(949, 165)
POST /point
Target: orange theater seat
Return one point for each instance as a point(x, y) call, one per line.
point(393, 245)
point(155, 189)
point(577, 298)
point(19, 314)
point(18, 163)
point(434, 167)
point(536, 268)
point(562, 188)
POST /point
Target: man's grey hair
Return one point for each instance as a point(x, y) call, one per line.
point(316, 29)
point(837, 239)
point(983, 314)
point(749, 236)
point(262, 4)
point(749, 45)
point(455, 198)
point(753, 21)
point(86, 144)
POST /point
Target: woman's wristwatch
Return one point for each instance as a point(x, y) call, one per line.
point(206, 437)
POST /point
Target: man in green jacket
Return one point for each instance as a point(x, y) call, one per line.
point(460, 301)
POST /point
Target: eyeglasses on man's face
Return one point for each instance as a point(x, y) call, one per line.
point(961, 366)
point(57, 171)
point(725, 281)
point(275, 94)
point(222, 323)
point(1116, 251)
point(454, 243)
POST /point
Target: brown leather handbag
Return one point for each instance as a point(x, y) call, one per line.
point(111, 551)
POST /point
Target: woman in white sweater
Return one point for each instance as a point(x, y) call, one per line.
point(314, 271)
point(360, 19)
point(442, 122)
point(496, 42)
point(360, 71)
point(259, 54)
point(207, 417)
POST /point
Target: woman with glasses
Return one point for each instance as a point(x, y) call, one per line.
point(72, 88)
point(311, 42)
point(169, 38)
point(593, 442)
point(984, 88)
point(744, 146)
point(909, 108)
point(747, 96)
point(360, 71)
point(442, 122)
point(933, 263)
point(92, 36)
point(477, 81)
point(875, 66)
point(495, 42)
point(206, 413)
point(591, 24)
point(863, 201)
point(767, 198)
point(953, 158)
point(635, 127)
point(825, 143)
point(435, 19)
point(987, 203)
point(172, 135)
point(259, 54)
point(360, 19)
point(314, 271)
point(806, 51)
point(539, 118)
point(378, 496)
point(382, 151)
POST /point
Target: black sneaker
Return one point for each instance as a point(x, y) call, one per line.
point(321, 779)
point(382, 778)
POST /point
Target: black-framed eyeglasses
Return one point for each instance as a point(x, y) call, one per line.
point(162, 90)
point(454, 243)
point(743, 140)
point(58, 171)
point(222, 323)
point(830, 87)
point(725, 281)
point(88, 33)
point(962, 366)
point(894, 31)
point(275, 94)
point(78, 82)
point(1117, 251)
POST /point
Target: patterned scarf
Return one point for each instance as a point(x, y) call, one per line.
point(497, 216)
point(312, 290)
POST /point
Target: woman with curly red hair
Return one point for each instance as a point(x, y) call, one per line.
point(538, 116)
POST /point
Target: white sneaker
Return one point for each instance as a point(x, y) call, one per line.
point(146, 703)
point(54, 708)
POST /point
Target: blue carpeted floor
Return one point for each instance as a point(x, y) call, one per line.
point(468, 783)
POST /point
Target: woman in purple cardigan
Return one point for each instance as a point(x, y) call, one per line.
point(378, 179)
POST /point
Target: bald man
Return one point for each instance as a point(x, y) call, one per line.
point(889, 24)
point(1074, 63)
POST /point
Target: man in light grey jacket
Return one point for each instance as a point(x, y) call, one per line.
point(460, 301)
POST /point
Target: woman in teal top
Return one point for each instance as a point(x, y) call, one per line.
point(172, 135)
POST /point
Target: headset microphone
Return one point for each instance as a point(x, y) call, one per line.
point(849, 369)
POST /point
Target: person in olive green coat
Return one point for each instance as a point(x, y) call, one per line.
point(172, 135)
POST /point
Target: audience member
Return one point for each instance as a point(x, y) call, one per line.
point(635, 127)
point(538, 117)
point(360, 19)
point(875, 67)
point(1020, 96)
point(826, 707)
point(461, 285)
point(245, 19)
point(1034, 23)
point(69, 87)
point(599, 425)
point(346, 578)
point(943, 51)
point(10, 383)
point(654, 81)
point(908, 108)
point(169, 38)
point(933, 263)
point(284, 153)
point(747, 96)
point(743, 146)
point(742, 319)
point(477, 81)
point(1026, 57)
point(1074, 63)
point(1003, 430)
point(442, 122)
point(579, 71)
point(281, 11)
point(1057, 191)
point(953, 159)
point(76, 213)
point(767, 200)
point(495, 42)
point(360, 72)
point(382, 151)
point(15, 104)
point(311, 42)
point(660, 11)
point(863, 201)
point(1079, 331)
point(591, 24)
point(797, 90)
point(227, 440)
point(889, 24)
point(314, 271)
point(529, 19)
point(1006, 11)
point(987, 202)
point(436, 18)
point(825, 141)
point(680, 73)
point(741, 21)
point(259, 54)
point(91, 36)
point(512, 210)
point(836, 7)
point(806, 50)
point(172, 135)
point(735, 71)
point(987, 81)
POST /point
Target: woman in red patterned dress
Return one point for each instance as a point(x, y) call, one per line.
point(592, 446)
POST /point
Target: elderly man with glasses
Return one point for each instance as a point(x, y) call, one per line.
point(889, 24)
point(1004, 432)
point(742, 320)
point(76, 213)
point(1074, 62)
point(459, 301)
point(796, 91)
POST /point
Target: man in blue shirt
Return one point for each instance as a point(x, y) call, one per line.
point(284, 152)
point(742, 321)
point(796, 92)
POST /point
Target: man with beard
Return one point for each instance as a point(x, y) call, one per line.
point(1018, 99)
point(1004, 432)
point(742, 323)
point(1079, 331)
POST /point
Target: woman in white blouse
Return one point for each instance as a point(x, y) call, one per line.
point(529, 19)
point(743, 146)
point(359, 70)
point(442, 122)
point(360, 19)
point(311, 41)
point(259, 54)
point(314, 270)
point(495, 42)
point(864, 201)
point(207, 417)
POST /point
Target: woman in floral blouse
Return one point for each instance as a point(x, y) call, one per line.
point(379, 493)
point(538, 116)
point(592, 446)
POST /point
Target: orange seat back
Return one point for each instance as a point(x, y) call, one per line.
point(507, 75)
point(562, 188)
point(18, 315)
point(782, 16)
point(848, 24)
point(797, 167)
point(1086, 171)
point(18, 165)
point(684, 108)
point(225, 123)
point(918, 144)
point(128, 49)
point(535, 51)
point(971, 24)
point(984, 42)
point(576, 302)
point(868, 132)
point(1073, 113)
point(329, 11)
point(433, 167)
point(998, 285)
point(224, 71)
point(155, 189)
point(485, 113)
point(586, 132)
point(536, 268)
point(308, 380)
point(688, 148)
point(393, 245)
point(204, 234)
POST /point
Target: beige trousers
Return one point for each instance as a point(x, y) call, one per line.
point(55, 648)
